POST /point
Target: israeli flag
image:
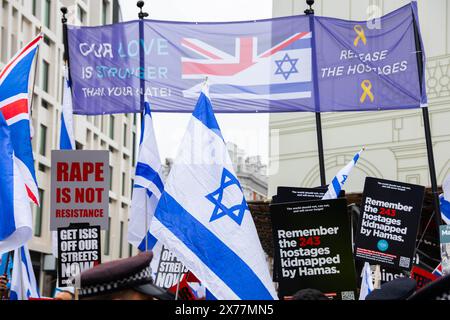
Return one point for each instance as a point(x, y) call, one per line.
point(15, 213)
point(341, 177)
point(203, 218)
point(23, 282)
point(147, 188)
point(67, 138)
point(445, 200)
point(367, 282)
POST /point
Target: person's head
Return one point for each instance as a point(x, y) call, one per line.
point(309, 294)
point(64, 295)
point(125, 279)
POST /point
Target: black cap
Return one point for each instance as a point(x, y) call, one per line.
point(398, 289)
point(130, 273)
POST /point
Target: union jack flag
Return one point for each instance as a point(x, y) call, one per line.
point(438, 270)
point(14, 82)
point(281, 72)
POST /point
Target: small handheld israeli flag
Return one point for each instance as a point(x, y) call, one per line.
point(66, 136)
point(367, 282)
point(147, 188)
point(23, 282)
point(338, 181)
point(204, 219)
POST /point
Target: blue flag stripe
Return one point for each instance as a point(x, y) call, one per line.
point(151, 241)
point(235, 273)
point(336, 186)
point(147, 172)
point(204, 113)
point(64, 143)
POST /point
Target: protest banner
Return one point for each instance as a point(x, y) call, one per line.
point(253, 66)
point(78, 250)
point(166, 268)
point(445, 248)
point(80, 186)
point(390, 214)
point(314, 245)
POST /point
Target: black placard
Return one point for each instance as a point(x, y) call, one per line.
point(390, 214)
point(313, 242)
point(78, 250)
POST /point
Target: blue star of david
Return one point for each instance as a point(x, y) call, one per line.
point(280, 63)
point(237, 211)
point(344, 179)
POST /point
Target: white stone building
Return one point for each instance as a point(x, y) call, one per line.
point(20, 21)
point(395, 140)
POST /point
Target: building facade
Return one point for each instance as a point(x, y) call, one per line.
point(251, 173)
point(20, 21)
point(394, 140)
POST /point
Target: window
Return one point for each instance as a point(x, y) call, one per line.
point(45, 75)
point(110, 177)
point(125, 135)
point(107, 236)
point(130, 250)
point(123, 183)
point(38, 216)
point(43, 144)
point(111, 127)
point(134, 149)
point(44, 104)
point(121, 239)
point(105, 12)
point(47, 13)
point(81, 14)
point(132, 186)
point(34, 8)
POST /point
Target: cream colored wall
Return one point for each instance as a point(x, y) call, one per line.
point(394, 139)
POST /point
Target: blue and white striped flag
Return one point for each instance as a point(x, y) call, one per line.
point(67, 138)
point(15, 213)
point(366, 283)
point(445, 200)
point(147, 188)
point(341, 177)
point(203, 217)
point(23, 282)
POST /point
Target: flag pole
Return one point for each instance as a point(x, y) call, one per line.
point(5, 293)
point(142, 15)
point(427, 127)
point(35, 74)
point(310, 13)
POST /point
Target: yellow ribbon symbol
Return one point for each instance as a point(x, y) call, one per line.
point(366, 85)
point(361, 35)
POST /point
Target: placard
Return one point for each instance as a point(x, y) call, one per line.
point(78, 250)
point(390, 214)
point(314, 248)
point(294, 194)
point(166, 267)
point(444, 235)
point(80, 187)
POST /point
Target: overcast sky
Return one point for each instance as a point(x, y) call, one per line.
point(250, 131)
